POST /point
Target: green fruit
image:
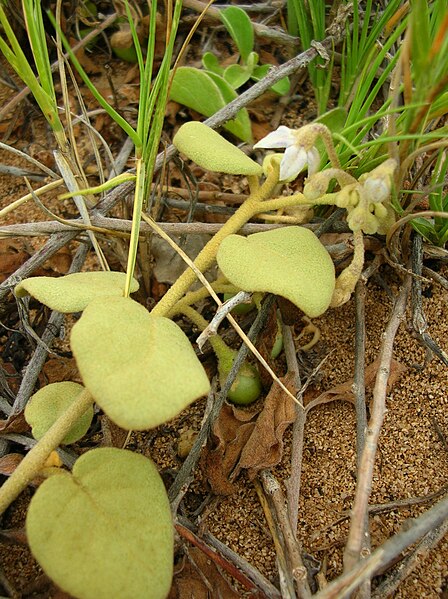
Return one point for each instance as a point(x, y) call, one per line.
point(241, 309)
point(278, 342)
point(247, 386)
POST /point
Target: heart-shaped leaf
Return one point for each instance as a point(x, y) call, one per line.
point(290, 262)
point(210, 150)
point(50, 402)
point(72, 293)
point(141, 369)
point(105, 530)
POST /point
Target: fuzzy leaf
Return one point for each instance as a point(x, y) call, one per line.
point(141, 369)
point(210, 150)
point(72, 293)
point(50, 402)
point(207, 92)
point(290, 262)
point(105, 530)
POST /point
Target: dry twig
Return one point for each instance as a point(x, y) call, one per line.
point(355, 540)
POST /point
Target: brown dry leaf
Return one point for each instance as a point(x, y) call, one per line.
point(89, 65)
point(15, 424)
point(344, 391)
point(8, 463)
point(248, 438)
point(199, 578)
point(260, 130)
point(12, 256)
point(60, 262)
point(231, 432)
point(60, 369)
point(130, 93)
point(264, 448)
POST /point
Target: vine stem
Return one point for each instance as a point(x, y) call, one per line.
point(207, 256)
point(35, 459)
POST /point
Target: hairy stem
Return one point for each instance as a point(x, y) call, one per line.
point(35, 459)
point(207, 256)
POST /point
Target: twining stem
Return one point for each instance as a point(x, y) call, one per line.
point(206, 257)
point(298, 199)
point(221, 285)
point(220, 347)
point(35, 459)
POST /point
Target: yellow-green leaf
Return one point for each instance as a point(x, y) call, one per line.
point(140, 369)
point(72, 293)
point(104, 531)
point(210, 150)
point(290, 262)
point(50, 402)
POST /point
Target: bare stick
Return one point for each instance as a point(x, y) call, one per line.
point(293, 549)
point(286, 581)
point(259, 29)
point(360, 407)
point(184, 476)
point(262, 583)
point(40, 354)
point(364, 484)
point(419, 321)
point(218, 559)
point(57, 242)
point(393, 581)
point(292, 484)
point(413, 530)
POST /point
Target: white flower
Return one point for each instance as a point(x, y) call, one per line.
point(377, 189)
point(298, 153)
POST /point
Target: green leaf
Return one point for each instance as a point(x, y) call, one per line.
point(241, 125)
point(207, 93)
point(72, 293)
point(211, 63)
point(210, 150)
point(105, 530)
point(290, 262)
point(334, 119)
point(281, 87)
point(140, 369)
point(252, 60)
point(236, 75)
point(240, 28)
point(50, 402)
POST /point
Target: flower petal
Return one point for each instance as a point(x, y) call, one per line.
point(313, 159)
point(377, 189)
point(294, 159)
point(282, 137)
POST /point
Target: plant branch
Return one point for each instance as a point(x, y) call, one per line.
point(414, 530)
point(292, 484)
point(364, 483)
point(207, 256)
